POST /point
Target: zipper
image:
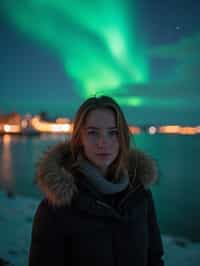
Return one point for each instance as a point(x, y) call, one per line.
point(103, 204)
point(123, 201)
point(107, 206)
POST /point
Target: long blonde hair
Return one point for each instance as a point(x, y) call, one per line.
point(103, 102)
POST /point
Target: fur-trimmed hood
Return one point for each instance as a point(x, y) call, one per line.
point(57, 182)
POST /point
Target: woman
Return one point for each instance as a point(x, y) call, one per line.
point(98, 209)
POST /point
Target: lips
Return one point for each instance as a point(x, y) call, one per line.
point(103, 154)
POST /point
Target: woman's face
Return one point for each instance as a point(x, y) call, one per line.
point(99, 138)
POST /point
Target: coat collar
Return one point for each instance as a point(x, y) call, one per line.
point(57, 181)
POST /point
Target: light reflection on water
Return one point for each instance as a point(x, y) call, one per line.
point(18, 159)
point(176, 194)
point(6, 177)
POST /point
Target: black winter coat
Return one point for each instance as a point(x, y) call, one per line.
point(74, 225)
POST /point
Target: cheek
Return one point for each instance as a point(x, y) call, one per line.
point(115, 146)
point(88, 146)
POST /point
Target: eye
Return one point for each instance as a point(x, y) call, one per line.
point(92, 132)
point(113, 133)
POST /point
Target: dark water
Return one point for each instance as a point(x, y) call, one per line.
point(177, 195)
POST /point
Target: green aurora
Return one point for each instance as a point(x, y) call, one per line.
point(101, 48)
point(93, 39)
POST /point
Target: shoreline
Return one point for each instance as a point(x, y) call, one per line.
point(16, 216)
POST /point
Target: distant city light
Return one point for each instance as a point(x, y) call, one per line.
point(134, 130)
point(31, 125)
point(152, 130)
point(12, 128)
point(176, 129)
point(24, 123)
point(44, 126)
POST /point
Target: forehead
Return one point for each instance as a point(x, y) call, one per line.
point(101, 118)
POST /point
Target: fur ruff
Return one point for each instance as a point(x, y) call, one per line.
point(57, 182)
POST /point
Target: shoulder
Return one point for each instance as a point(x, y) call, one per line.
point(149, 196)
point(151, 203)
point(49, 217)
point(44, 216)
point(44, 210)
point(142, 167)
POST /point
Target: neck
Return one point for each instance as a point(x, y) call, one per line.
point(103, 171)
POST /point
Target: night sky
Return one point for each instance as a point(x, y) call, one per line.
point(146, 54)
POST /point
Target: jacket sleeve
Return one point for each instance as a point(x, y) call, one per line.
point(155, 251)
point(48, 245)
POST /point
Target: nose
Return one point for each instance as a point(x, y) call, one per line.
point(102, 141)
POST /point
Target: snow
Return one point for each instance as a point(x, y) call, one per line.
point(16, 215)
